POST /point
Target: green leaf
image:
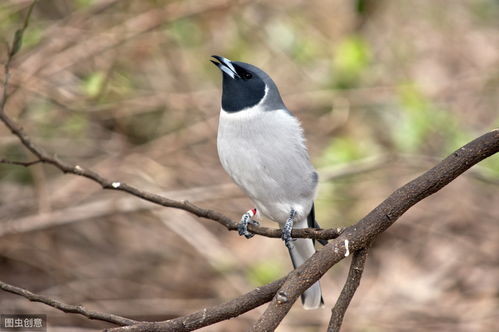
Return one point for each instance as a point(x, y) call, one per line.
point(93, 84)
point(352, 57)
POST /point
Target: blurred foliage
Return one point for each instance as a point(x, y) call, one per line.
point(352, 57)
point(186, 33)
point(412, 79)
point(144, 127)
point(32, 37)
point(288, 35)
point(93, 84)
point(491, 166)
point(343, 150)
point(421, 121)
point(361, 6)
point(263, 272)
point(485, 11)
point(84, 3)
point(21, 175)
point(75, 125)
point(119, 86)
point(8, 20)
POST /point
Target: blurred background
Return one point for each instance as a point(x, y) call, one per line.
point(384, 89)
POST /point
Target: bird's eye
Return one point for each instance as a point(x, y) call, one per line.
point(247, 76)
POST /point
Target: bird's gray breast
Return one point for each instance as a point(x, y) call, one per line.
point(264, 153)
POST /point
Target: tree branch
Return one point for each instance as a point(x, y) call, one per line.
point(351, 284)
point(209, 316)
point(12, 50)
point(20, 163)
point(205, 317)
point(361, 234)
point(231, 225)
point(354, 238)
point(75, 309)
point(44, 157)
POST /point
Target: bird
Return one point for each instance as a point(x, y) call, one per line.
point(261, 146)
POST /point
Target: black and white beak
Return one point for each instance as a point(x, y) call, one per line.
point(226, 66)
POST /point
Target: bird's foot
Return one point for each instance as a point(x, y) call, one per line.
point(288, 227)
point(245, 221)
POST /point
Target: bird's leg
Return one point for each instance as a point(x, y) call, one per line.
point(245, 220)
point(288, 227)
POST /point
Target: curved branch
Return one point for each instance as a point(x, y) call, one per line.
point(45, 157)
point(348, 291)
point(223, 220)
point(353, 238)
point(205, 317)
point(209, 316)
point(20, 163)
point(361, 234)
point(74, 309)
point(65, 167)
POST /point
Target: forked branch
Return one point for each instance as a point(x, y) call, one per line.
point(352, 239)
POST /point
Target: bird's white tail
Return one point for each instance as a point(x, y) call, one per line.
point(302, 249)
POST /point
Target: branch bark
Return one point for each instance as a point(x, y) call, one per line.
point(361, 234)
point(348, 291)
point(205, 317)
point(209, 316)
point(45, 157)
point(19, 163)
point(69, 308)
point(352, 239)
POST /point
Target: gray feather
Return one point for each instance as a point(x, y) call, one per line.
point(262, 148)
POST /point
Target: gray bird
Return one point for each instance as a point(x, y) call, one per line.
point(262, 147)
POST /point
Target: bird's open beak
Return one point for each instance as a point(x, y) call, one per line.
point(226, 66)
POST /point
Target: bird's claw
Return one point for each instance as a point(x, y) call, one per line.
point(286, 230)
point(245, 221)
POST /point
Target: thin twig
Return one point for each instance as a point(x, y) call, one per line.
point(223, 220)
point(104, 207)
point(20, 163)
point(12, 50)
point(353, 238)
point(351, 284)
point(69, 308)
point(65, 167)
point(125, 31)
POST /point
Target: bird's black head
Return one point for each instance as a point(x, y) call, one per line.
point(245, 86)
